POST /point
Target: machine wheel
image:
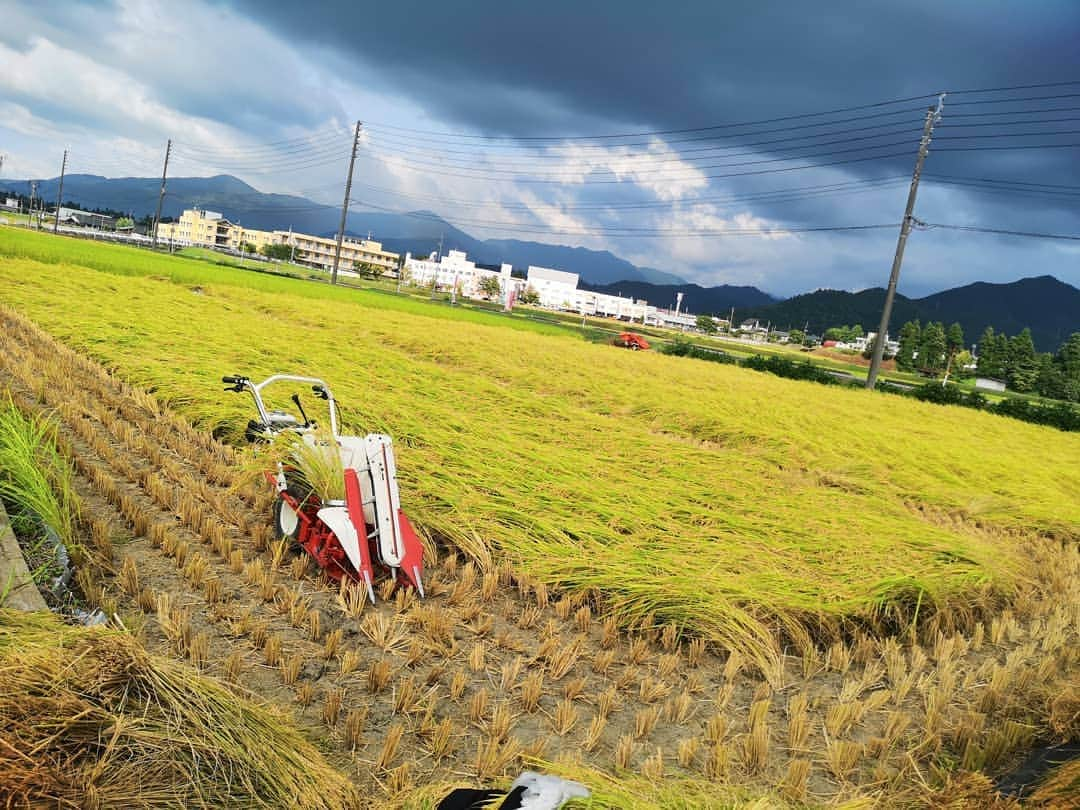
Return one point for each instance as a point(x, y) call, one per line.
point(634, 347)
point(286, 521)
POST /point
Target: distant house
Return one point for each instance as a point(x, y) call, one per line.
point(989, 384)
point(11, 204)
point(86, 219)
point(830, 344)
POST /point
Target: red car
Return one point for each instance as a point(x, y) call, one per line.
point(632, 341)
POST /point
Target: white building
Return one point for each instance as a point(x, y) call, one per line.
point(557, 288)
point(610, 306)
point(455, 271)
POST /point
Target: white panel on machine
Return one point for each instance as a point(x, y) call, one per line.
point(337, 518)
point(380, 458)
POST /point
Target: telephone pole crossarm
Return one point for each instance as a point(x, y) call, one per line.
point(933, 115)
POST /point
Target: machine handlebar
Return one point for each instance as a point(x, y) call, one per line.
point(235, 381)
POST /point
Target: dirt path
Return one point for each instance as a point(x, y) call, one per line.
point(488, 670)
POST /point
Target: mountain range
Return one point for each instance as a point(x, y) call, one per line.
point(1046, 305)
point(420, 232)
point(1050, 308)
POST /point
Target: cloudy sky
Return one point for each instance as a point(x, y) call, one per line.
point(708, 139)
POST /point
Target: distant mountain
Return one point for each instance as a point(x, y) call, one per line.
point(419, 232)
point(1049, 307)
point(819, 310)
point(696, 299)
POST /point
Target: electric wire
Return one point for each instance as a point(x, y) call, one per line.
point(772, 230)
point(1004, 231)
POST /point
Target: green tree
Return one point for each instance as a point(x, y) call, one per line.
point(960, 362)
point(954, 338)
point(910, 339)
point(489, 286)
point(529, 296)
point(990, 363)
point(706, 324)
point(854, 333)
point(1051, 380)
point(837, 333)
point(1022, 363)
point(125, 222)
point(932, 348)
point(279, 252)
point(797, 337)
point(1069, 357)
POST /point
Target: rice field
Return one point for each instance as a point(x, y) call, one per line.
point(792, 646)
point(729, 503)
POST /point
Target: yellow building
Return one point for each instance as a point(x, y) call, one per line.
point(211, 229)
point(318, 251)
point(202, 228)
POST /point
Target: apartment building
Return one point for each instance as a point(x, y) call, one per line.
point(318, 251)
point(211, 229)
point(197, 227)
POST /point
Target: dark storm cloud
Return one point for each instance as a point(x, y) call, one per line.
point(683, 63)
point(587, 67)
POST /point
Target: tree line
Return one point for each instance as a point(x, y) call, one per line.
point(933, 348)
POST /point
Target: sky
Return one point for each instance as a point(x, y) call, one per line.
point(724, 142)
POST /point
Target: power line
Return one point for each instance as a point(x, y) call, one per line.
point(772, 231)
point(1005, 182)
point(1022, 99)
point(1016, 146)
point(710, 128)
point(953, 115)
point(1014, 87)
point(570, 175)
point(1003, 231)
point(777, 195)
point(1009, 135)
point(287, 142)
point(678, 155)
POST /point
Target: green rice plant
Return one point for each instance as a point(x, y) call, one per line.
point(36, 481)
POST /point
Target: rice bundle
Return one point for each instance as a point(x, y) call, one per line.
point(88, 718)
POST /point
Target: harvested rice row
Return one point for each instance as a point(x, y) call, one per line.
point(111, 726)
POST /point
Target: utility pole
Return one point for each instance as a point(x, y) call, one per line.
point(60, 194)
point(345, 205)
point(933, 115)
point(33, 194)
point(161, 195)
point(435, 272)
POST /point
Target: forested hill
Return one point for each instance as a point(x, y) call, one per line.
point(1050, 308)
